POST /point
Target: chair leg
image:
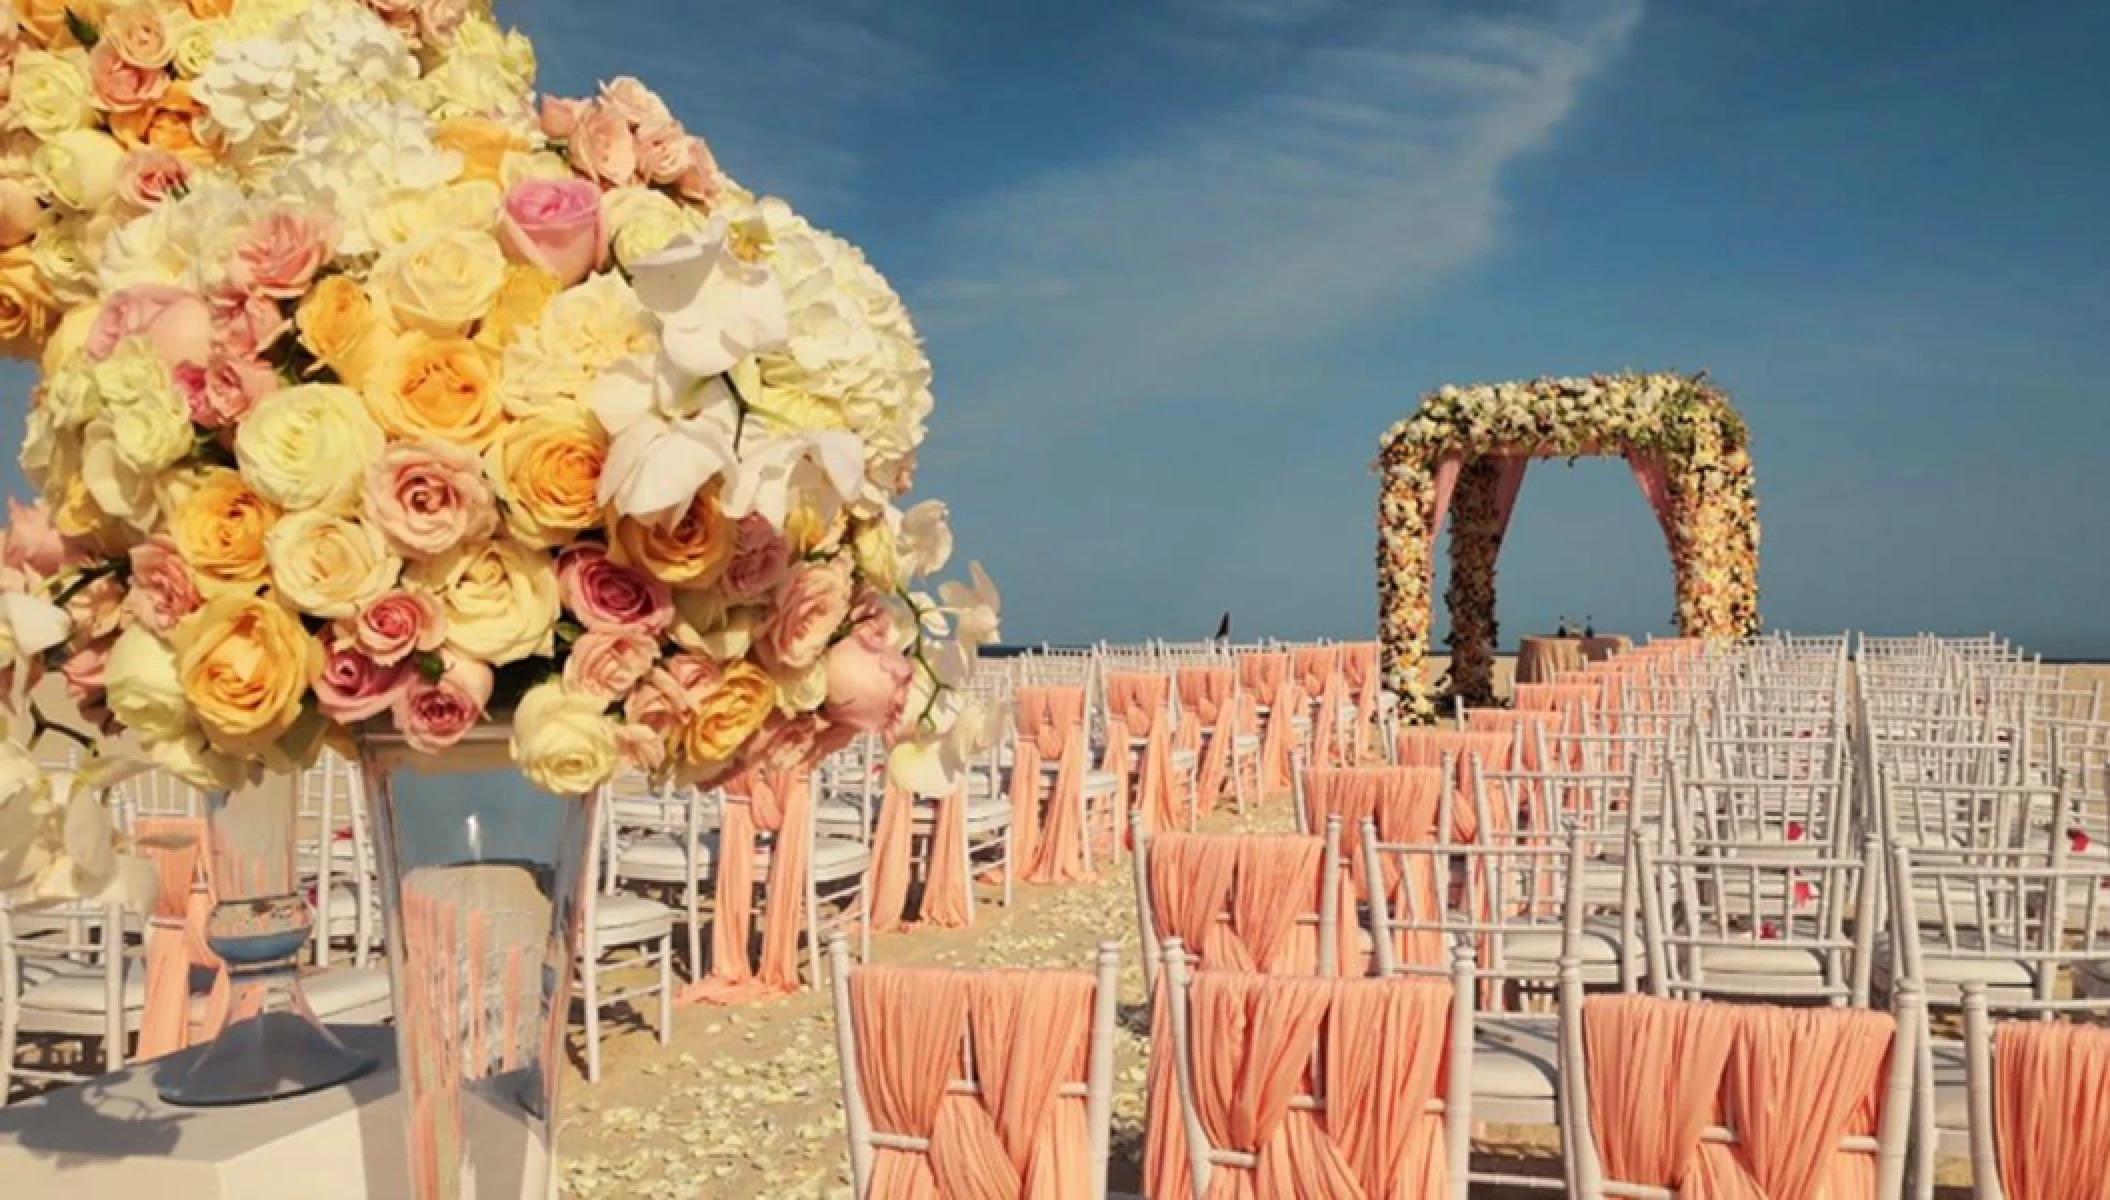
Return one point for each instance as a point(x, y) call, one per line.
point(7, 1051)
point(813, 932)
point(1009, 870)
point(666, 988)
point(695, 947)
point(590, 993)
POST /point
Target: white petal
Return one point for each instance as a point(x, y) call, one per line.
point(923, 766)
point(38, 624)
point(624, 395)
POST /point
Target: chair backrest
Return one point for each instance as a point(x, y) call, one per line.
point(1269, 903)
point(927, 1053)
point(1378, 1074)
point(2037, 915)
point(1759, 921)
point(1972, 816)
point(1512, 905)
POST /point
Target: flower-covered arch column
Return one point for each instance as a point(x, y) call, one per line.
point(1463, 453)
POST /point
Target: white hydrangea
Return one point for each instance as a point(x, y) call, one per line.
point(352, 156)
point(261, 92)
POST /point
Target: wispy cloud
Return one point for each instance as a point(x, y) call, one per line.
point(1361, 170)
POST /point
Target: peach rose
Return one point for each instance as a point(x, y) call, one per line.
point(813, 606)
point(396, 625)
point(137, 34)
point(701, 183)
point(662, 700)
point(603, 148)
point(555, 224)
point(607, 596)
point(85, 670)
point(607, 664)
point(547, 469)
point(868, 679)
point(222, 392)
point(640, 748)
point(338, 326)
point(244, 663)
point(219, 529)
point(441, 388)
point(353, 687)
point(428, 498)
point(691, 553)
point(21, 213)
point(123, 87)
point(162, 590)
point(760, 562)
point(786, 743)
point(561, 117)
point(436, 713)
point(149, 176)
point(244, 324)
point(664, 152)
point(32, 542)
point(630, 99)
point(727, 716)
point(171, 124)
point(97, 610)
point(175, 321)
point(282, 252)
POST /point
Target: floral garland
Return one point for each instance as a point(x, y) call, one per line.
point(380, 393)
point(1683, 422)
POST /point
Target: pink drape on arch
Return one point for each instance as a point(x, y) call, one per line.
point(1648, 472)
point(1655, 486)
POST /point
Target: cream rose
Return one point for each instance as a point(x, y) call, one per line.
point(564, 741)
point(149, 422)
point(500, 596)
point(327, 565)
point(308, 447)
point(144, 692)
point(442, 282)
point(80, 167)
point(49, 95)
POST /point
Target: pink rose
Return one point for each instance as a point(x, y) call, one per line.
point(148, 176)
point(428, 497)
point(177, 322)
point(98, 609)
point(868, 679)
point(163, 591)
point(244, 324)
point(438, 19)
point(20, 213)
point(607, 596)
point(281, 253)
point(120, 86)
point(433, 715)
point(223, 392)
point(642, 748)
point(561, 117)
point(634, 102)
point(608, 663)
point(785, 743)
point(83, 670)
point(761, 559)
point(398, 624)
point(31, 541)
point(809, 612)
point(702, 182)
point(664, 152)
point(354, 688)
point(555, 224)
point(603, 148)
point(662, 699)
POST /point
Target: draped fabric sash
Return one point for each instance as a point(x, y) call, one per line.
point(179, 850)
point(945, 903)
point(1209, 723)
point(2051, 1110)
point(1049, 842)
point(1318, 673)
point(1404, 801)
point(1427, 747)
point(1027, 1035)
point(1359, 675)
point(1269, 886)
point(1794, 1082)
point(1138, 703)
point(1376, 1050)
point(1267, 679)
point(777, 803)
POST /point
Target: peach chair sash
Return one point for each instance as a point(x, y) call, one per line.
point(179, 848)
point(1405, 803)
point(1139, 701)
point(2051, 1110)
point(1426, 748)
point(945, 904)
point(1210, 719)
point(1318, 673)
point(1028, 1036)
point(763, 800)
point(1253, 1041)
point(1265, 882)
point(1794, 1081)
point(1267, 678)
point(1050, 723)
point(1359, 675)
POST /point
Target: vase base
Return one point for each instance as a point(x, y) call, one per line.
point(273, 1056)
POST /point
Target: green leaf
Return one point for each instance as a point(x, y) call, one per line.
point(431, 667)
point(83, 32)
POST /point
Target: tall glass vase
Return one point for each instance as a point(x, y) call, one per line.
point(481, 878)
point(272, 1047)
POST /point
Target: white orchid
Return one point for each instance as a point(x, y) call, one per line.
point(29, 625)
point(715, 308)
point(933, 761)
point(671, 435)
point(826, 470)
point(976, 606)
point(57, 841)
point(923, 539)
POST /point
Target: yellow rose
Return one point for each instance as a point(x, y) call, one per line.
point(597, 324)
point(482, 143)
point(500, 597)
point(45, 20)
point(442, 282)
point(522, 299)
point(189, 758)
point(50, 95)
point(220, 528)
point(26, 311)
point(564, 742)
point(149, 423)
point(519, 168)
point(547, 470)
point(194, 48)
point(466, 205)
point(70, 339)
point(872, 547)
point(308, 446)
point(329, 566)
point(245, 664)
point(144, 692)
point(120, 490)
point(171, 125)
point(724, 720)
point(690, 553)
point(338, 325)
point(641, 221)
point(61, 251)
point(79, 167)
point(442, 388)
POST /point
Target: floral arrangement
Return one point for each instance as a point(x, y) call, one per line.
point(1683, 422)
point(380, 395)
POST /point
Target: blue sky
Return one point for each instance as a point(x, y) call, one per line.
point(1180, 262)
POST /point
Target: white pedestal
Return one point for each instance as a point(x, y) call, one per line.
point(114, 1139)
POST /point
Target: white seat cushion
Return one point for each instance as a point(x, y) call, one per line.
point(1184, 760)
point(623, 918)
point(2009, 976)
point(838, 858)
point(1100, 783)
point(1762, 958)
point(79, 989)
point(838, 813)
point(658, 856)
point(983, 815)
point(342, 991)
point(1599, 945)
point(1246, 743)
point(1516, 1058)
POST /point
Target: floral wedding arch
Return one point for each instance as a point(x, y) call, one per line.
point(1464, 452)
